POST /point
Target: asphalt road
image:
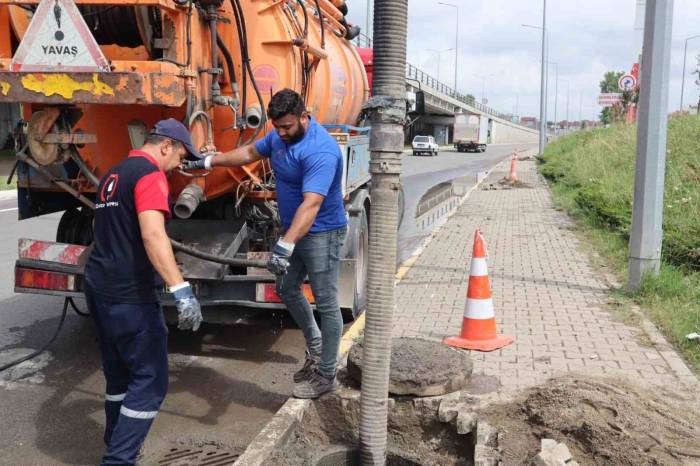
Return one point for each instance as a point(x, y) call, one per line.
point(225, 382)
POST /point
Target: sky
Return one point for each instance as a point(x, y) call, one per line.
point(499, 57)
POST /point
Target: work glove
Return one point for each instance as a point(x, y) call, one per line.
point(279, 261)
point(201, 164)
point(189, 313)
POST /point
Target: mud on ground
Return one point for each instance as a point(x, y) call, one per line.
point(603, 421)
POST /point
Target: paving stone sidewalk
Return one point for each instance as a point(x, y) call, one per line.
point(546, 293)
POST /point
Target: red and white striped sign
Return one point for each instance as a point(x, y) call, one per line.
point(47, 251)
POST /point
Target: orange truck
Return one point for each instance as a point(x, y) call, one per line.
point(93, 75)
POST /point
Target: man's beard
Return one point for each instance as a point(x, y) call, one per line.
point(298, 136)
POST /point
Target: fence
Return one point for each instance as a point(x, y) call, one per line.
point(413, 73)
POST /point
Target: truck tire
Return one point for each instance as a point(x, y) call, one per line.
point(361, 250)
point(75, 227)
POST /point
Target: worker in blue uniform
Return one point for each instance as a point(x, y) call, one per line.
point(130, 260)
point(308, 167)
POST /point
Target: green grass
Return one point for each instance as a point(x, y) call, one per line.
point(592, 177)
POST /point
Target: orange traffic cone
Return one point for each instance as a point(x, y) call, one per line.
point(479, 323)
point(513, 177)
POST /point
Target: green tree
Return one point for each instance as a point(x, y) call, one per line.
point(609, 85)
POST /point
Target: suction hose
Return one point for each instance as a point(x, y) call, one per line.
point(188, 200)
point(387, 110)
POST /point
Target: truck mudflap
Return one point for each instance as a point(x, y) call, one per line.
point(57, 269)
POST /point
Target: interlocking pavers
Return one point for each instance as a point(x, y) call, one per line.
point(546, 293)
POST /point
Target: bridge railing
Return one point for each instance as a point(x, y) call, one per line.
point(414, 73)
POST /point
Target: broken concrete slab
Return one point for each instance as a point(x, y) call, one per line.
point(553, 454)
point(420, 367)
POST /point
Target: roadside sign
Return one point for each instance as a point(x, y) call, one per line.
point(609, 100)
point(627, 82)
point(58, 40)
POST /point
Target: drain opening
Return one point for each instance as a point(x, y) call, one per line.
point(197, 457)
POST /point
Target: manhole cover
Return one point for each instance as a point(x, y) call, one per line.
point(204, 456)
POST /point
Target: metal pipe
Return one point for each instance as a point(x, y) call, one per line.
point(188, 200)
point(387, 113)
point(253, 117)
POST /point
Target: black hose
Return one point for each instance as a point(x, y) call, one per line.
point(46, 346)
point(76, 310)
point(323, 28)
point(240, 20)
point(218, 259)
point(242, 45)
point(227, 58)
point(306, 18)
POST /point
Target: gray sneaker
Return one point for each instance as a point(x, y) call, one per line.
point(310, 365)
point(315, 386)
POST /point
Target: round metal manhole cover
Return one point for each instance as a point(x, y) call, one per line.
point(200, 456)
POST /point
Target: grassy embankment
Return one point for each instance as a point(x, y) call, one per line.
point(592, 177)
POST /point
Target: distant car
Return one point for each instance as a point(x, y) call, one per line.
point(425, 145)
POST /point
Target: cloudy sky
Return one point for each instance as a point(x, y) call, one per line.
point(588, 38)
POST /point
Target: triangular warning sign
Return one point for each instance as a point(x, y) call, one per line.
point(58, 40)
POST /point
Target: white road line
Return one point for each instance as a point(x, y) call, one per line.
point(8, 210)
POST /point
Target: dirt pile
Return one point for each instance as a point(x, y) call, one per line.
point(603, 422)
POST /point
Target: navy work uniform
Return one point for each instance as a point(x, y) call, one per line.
point(121, 291)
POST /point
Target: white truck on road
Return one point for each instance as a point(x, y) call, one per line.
point(470, 133)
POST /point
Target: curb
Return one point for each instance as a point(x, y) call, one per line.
point(8, 194)
point(277, 431)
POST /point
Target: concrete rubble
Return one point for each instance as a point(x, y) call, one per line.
point(553, 454)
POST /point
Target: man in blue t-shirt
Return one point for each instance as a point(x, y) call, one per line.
point(308, 168)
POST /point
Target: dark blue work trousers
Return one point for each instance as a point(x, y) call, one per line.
point(134, 343)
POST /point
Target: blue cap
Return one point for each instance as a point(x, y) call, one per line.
point(173, 129)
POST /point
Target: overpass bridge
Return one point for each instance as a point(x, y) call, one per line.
point(443, 102)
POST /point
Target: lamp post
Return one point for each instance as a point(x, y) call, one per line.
point(685, 58)
point(483, 84)
point(439, 53)
point(543, 91)
point(456, 37)
point(556, 91)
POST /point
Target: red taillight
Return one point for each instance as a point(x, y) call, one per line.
point(41, 279)
point(266, 293)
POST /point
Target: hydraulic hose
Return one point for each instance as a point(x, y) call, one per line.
point(387, 114)
point(218, 259)
point(36, 353)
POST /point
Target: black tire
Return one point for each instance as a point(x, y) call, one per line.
point(358, 249)
point(75, 227)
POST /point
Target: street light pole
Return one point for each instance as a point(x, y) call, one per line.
point(646, 233)
point(556, 91)
point(543, 78)
point(439, 52)
point(456, 37)
point(685, 59)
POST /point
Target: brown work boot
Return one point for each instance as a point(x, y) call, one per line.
point(310, 365)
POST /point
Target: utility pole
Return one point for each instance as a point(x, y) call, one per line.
point(543, 82)
point(456, 7)
point(647, 212)
point(387, 114)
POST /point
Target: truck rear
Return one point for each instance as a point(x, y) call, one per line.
point(93, 76)
point(470, 132)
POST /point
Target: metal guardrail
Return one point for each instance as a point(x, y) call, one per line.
point(415, 73)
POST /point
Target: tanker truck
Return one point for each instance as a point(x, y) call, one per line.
point(92, 76)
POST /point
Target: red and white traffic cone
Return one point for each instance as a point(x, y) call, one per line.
point(479, 323)
point(513, 177)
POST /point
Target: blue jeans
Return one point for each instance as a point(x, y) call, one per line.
point(133, 341)
point(318, 256)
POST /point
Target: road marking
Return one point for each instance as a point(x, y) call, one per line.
point(8, 210)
